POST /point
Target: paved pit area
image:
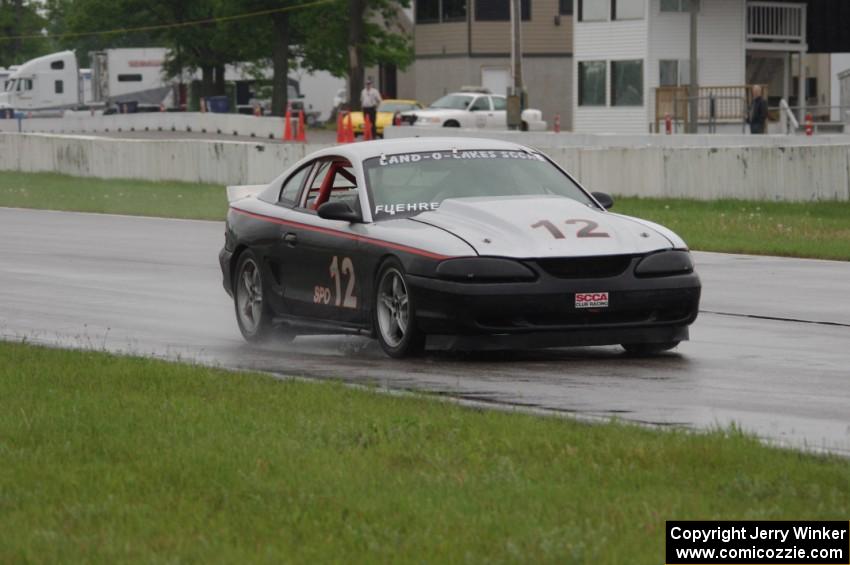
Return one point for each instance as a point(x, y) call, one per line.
point(770, 350)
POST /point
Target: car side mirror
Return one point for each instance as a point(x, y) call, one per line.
point(338, 210)
point(605, 199)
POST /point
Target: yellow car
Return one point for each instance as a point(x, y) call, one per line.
point(386, 110)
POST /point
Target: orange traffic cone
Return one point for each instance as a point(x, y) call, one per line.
point(367, 127)
point(340, 130)
point(349, 129)
point(287, 127)
point(301, 135)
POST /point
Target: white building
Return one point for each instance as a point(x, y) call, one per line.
point(624, 50)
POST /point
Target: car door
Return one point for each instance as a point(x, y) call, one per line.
point(280, 254)
point(498, 118)
point(323, 255)
point(480, 110)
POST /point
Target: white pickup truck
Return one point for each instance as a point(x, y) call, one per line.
point(471, 110)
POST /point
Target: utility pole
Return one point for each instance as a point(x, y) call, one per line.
point(693, 89)
point(516, 44)
point(516, 102)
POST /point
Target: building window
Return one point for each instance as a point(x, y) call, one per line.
point(677, 5)
point(129, 78)
point(434, 11)
point(565, 7)
point(593, 10)
point(58, 87)
point(673, 72)
point(57, 65)
point(591, 83)
point(454, 11)
point(427, 11)
point(627, 9)
point(499, 10)
point(627, 83)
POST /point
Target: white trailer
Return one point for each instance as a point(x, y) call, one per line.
point(55, 82)
point(130, 74)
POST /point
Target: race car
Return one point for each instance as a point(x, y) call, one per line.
point(450, 242)
point(472, 108)
point(386, 112)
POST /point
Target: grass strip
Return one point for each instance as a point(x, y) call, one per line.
point(49, 191)
point(112, 459)
point(816, 229)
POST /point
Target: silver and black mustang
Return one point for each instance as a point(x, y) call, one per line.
point(458, 239)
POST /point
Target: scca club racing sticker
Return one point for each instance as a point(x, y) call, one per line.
point(407, 158)
point(591, 300)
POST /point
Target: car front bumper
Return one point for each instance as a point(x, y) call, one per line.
point(649, 310)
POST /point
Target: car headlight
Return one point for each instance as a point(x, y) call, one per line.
point(671, 262)
point(484, 269)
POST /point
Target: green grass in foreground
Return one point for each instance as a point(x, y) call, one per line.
point(812, 229)
point(109, 459)
point(819, 230)
point(113, 196)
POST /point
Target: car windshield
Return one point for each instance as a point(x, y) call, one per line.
point(406, 184)
point(453, 102)
point(396, 107)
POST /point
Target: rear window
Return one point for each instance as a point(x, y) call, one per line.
point(407, 184)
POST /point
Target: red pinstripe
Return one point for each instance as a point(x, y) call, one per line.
point(337, 233)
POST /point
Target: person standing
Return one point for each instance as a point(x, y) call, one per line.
point(369, 100)
point(758, 112)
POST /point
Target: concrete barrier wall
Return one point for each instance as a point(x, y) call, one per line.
point(792, 173)
point(227, 162)
point(548, 139)
point(81, 122)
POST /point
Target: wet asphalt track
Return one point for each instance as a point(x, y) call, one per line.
point(770, 351)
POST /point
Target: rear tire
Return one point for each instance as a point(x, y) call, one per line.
point(252, 314)
point(649, 349)
point(394, 313)
point(451, 124)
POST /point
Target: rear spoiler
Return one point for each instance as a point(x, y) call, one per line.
point(239, 192)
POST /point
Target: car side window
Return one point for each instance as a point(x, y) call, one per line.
point(341, 186)
point(311, 191)
point(499, 103)
point(292, 186)
point(481, 104)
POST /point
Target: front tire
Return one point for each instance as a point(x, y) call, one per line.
point(394, 313)
point(649, 349)
point(252, 314)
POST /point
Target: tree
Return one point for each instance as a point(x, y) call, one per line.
point(17, 18)
point(347, 36)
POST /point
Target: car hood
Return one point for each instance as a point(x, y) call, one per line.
point(502, 226)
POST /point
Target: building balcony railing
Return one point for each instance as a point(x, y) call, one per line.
point(715, 104)
point(776, 22)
